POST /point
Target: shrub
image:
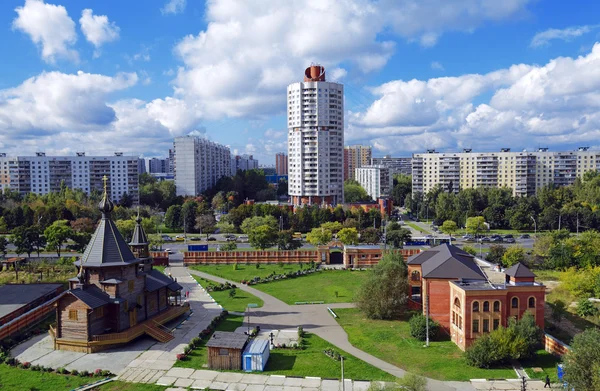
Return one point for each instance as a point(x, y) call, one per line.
point(12, 361)
point(418, 327)
point(26, 365)
point(586, 308)
point(84, 373)
point(98, 372)
point(195, 342)
point(187, 350)
point(482, 353)
point(75, 372)
point(301, 331)
point(106, 373)
point(62, 371)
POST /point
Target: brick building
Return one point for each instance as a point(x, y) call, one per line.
point(465, 300)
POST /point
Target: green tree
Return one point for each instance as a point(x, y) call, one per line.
point(286, 241)
point(370, 235)
point(398, 237)
point(319, 236)
point(333, 226)
point(470, 250)
point(126, 228)
point(513, 255)
point(402, 188)
point(348, 236)
point(449, 227)
point(80, 241)
point(126, 200)
point(582, 361)
point(475, 225)
point(262, 237)
point(418, 327)
point(495, 254)
point(252, 223)
point(173, 217)
point(3, 244)
point(189, 210)
point(225, 227)
point(354, 192)
point(412, 382)
point(384, 294)
point(56, 235)
point(22, 241)
point(229, 246)
point(205, 224)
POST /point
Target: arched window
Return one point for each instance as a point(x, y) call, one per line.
point(496, 306)
point(415, 276)
point(457, 302)
point(486, 306)
point(531, 302)
point(475, 306)
point(514, 303)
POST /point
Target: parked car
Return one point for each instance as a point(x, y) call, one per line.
point(243, 238)
point(167, 238)
point(180, 239)
point(485, 239)
point(211, 239)
point(525, 236)
point(467, 236)
point(508, 236)
point(510, 240)
point(497, 239)
point(195, 238)
point(168, 250)
point(231, 238)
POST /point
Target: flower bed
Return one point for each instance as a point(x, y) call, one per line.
point(202, 336)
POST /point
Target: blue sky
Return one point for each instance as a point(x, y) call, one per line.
point(104, 76)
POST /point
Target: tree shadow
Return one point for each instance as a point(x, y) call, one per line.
point(280, 361)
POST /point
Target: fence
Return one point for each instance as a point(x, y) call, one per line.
point(230, 257)
point(28, 319)
point(555, 346)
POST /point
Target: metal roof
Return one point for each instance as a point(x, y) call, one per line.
point(421, 257)
point(451, 262)
point(156, 280)
point(257, 347)
point(139, 237)
point(107, 247)
point(15, 296)
point(92, 296)
point(227, 340)
point(519, 270)
point(111, 281)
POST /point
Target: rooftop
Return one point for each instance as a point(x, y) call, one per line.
point(15, 296)
point(448, 261)
point(227, 340)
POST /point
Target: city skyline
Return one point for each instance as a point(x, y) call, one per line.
point(521, 71)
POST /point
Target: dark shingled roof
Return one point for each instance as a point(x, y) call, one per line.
point(227, 340)
point(15, 296)
point(92, 296)
point(519, 270)
point(107, 247)
point(111, 281)
point(139, 237)
point(156, 280)
point(421, 257)
point(451, 262)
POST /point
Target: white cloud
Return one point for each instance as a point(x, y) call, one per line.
point(97, 29)
point(556, 105)
point(567, 34)
point(437, 66)
point(173, 7)
point(50, 27)
point(274, 134)
point(337, 74)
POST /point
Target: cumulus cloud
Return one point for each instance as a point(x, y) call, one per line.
point(567, 34)
point(173, 7)
point(97, 29)
point(50, 27)
point(557, 104)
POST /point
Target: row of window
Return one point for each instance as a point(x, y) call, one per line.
point(486, 325)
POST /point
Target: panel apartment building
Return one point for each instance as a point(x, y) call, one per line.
point(524, 172)
point(315, 114)
point(355, 156)
point(376, 180)
point(281, 164)
point(199, 164)
point(43, 174)
point(398, 165)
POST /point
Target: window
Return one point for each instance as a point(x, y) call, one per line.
point(72, 314)
point(514, 303)
point(457, 302)
point(531, 303)
point(415, 276)
point(486, 306)
point(223, 352)
point(475, 325)
point(496, 324)
point(496, 306)
point(131, 285)
point(486, 325)
point(475, 306)
point(139, 299)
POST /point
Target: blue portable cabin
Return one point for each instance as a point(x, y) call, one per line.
point(256, 355)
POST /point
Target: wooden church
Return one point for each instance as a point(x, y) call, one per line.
point(117, 296)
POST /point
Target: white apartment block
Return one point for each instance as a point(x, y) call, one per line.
point(355, 156)
point(199, 164)
point(398, 165)
point(43, 174)
point(376, 180)
point(243, 162)
point(524, 172)
point(315, 114)
point(158, 166)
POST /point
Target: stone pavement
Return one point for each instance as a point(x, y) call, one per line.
point(509, 385)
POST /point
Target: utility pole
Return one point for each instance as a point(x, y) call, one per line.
point(559, 216)
point(343, 385)
point(534, 226)
point(427, 320)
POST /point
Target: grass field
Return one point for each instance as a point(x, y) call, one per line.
point(417, 227)
point(321, 286)
point(124, 386)
point(15, 379)
point(244, 272)
point(391, 342)
point(239, 303)
point(547, 362)
point(308, 362)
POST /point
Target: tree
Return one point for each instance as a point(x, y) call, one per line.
point(319, 236)
point(21, 241)
point(412, 382)
point(229, 246)
point(126, 200)
point(449, 227)
point(370, 235)
point(354, 192)
point(173, 217)
point(126, 228)
point(384, 294)
point(495, 254)
point(56, 235)
point(333, 226)
point(348, 236)
point(188, 215)
point(513, 255)
point(225, 227)
point(80, 241)
point(205, 223)
point(262, 237)
point(398, 237)
point(559, 309)
point(418, 327)
point(3, 244)
point(470, 250)
point(582, 361)
point(286, 241)
point(83, 224)
point(402, 188)
point(252, 223)
point(475, 225)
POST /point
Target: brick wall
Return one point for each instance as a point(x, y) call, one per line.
point(439, 301)
point(555, 346)
point(230, 257)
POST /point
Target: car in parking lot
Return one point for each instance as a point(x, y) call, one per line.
point(211, 239)
point(243, 238)
point(525, 236)
point(195, 238)
point(508, 236)
point(167, 238)
point(485, 239)
point(230, 238)
point(168, 250)
point(497, 239)
point(510, 240)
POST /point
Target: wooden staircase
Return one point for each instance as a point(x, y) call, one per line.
point(158, 333)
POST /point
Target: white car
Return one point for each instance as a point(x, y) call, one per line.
point(243, 238)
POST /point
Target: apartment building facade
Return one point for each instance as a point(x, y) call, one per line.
point(158, 166)
point(376, 180)
point(355, 156)
point(524, 172)
point(281, 164)
point(243, 162)
point(398, 165)
point(315, 114)
point(199, 164)
point(43, 174)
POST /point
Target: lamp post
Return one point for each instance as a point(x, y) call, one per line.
point(534, 226)
point(343, 385)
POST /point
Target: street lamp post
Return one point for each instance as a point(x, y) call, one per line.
point(534, 226)
point(343, 385)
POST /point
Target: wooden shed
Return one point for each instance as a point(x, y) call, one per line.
point(225, 350)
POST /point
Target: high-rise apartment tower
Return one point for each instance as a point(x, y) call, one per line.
point(281, 164)
point(355, 156)
point(315, 111)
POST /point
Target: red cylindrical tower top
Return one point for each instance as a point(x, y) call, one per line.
point(314, 73)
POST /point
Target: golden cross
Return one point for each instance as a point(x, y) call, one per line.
point(105, 180)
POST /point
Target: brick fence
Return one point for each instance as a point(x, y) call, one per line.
point(555, 346)
point(230, 257)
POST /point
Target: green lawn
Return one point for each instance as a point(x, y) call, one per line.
point(547, 362)
point(239, 303)
point(417, 227)
point(244, 272)
point(15, 379)
point(308, 362)
point(321, 286)
point(124, 386)
point(391, 342)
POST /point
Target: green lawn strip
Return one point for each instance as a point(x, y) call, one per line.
point(239, 303)
point(244, 272)
point(417, 227)
point(547, 275)
point(391, 342)
point(544, 360)
point(12, 378)
point(124, 386)
point(320, 286)
point(160, 268)
point(307, 362)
